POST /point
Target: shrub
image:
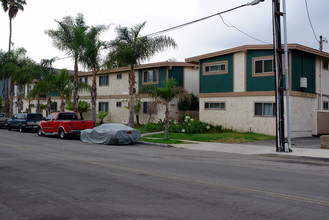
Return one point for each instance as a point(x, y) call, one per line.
point(153, 127)
point(189, 126)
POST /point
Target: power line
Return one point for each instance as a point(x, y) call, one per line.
point(254, 2)
point(309, 19)
point(232, 26)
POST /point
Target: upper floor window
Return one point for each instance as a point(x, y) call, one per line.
point(103, 106)
point(214, 105)
point(263, 66)
point(215, 68)
point(103, 80)
point(119, 76)
point(150, 76)
point(326, 105)
point(84, 79)
point(325, 65)
point(265, 109)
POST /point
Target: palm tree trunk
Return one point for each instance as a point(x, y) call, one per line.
point(7, 96)
point(62, 104)
point(10, 33)
point(11, 97)
point(167, 121)
point(3, 104)
point(132, 92)
point(93, 97)
point(75, 83)
point(38, 110)
point(48, 111)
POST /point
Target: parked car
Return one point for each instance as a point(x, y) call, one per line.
point(110, 133)
point(63, 124)
point(24, 121)
point(3, 120)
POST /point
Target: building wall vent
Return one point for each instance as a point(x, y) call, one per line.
point(303, 82)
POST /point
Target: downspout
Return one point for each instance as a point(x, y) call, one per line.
point(321, 104)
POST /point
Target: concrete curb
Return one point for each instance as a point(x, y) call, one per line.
point(295, 157)
point(156, 144)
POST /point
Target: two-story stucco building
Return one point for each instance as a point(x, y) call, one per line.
point(237, 89)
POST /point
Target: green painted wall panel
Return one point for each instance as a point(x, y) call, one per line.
point(219, 82)
point(303, 65)
point(177, 72)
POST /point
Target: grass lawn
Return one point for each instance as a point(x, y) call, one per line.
point(225, 137)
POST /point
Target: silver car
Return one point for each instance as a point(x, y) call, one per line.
point(110, 133)
point(3, 120)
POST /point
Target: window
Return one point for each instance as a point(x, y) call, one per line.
point(119, 104)
point(214, 105)
point(265, 109)
point(119, 76)
point(50, 116)
point(103, 106)
point(263, 66)
point(103, 80)
point(149, 108)
point(326, 105)
point(83, 79)
point(150, 76)
point(215, 68)
point(325, 65)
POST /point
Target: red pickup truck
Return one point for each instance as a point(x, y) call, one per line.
point(63, 124)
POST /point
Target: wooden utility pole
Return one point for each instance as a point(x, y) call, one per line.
point(279, 98)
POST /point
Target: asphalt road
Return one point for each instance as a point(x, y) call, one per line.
point(49, 178)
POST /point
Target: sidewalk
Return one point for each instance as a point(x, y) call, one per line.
point(301, 148)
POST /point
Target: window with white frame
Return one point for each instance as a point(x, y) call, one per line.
point(103, 106)
point(325, 65)
point(215, 105)
point(264, 109)
point(103, 80)
point(263, 66)
point(119, 104)
point(326, 105)
point(119, 76)
point(215, 68)
point(149, 108)
point(83, 79)
point(150, 76)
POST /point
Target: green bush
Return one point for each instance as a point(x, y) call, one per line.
point(189, 126)
point(153, 127)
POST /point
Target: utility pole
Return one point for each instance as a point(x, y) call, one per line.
point(278, 51)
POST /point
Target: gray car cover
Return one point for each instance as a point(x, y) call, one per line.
point(110, 133)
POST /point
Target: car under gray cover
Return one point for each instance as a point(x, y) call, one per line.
point(110, 133)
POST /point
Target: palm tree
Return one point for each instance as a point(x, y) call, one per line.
point(83, 107)
point(3, 77)
point(12, 6)
point(64, 87)
point(101, 115)
point(130, 49)
point(165, 95)
point(91, 58)
point(70, 38)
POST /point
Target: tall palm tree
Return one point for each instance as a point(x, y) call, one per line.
point(164, 95)
point(91, 59)
point(12, 6)
point(64, 87)
point(70, 38)
point(3, 77)
point(130, 49)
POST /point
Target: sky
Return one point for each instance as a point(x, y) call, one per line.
point(200, 38)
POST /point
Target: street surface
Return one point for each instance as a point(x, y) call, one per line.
point(49, 178)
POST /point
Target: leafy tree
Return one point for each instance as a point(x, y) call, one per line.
point(83, 107)
point(70, 38)
point(164, 96)
point(91, 58)
point(130, 49)
point(101, 115)
point(12, 6)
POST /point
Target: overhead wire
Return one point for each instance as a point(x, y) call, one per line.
point(232, 26)
point(309, 19)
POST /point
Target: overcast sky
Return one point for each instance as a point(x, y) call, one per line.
point(204, 37)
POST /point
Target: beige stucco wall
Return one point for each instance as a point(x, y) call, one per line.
point(239, 114)
point(191, 80)
point(239, 70)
